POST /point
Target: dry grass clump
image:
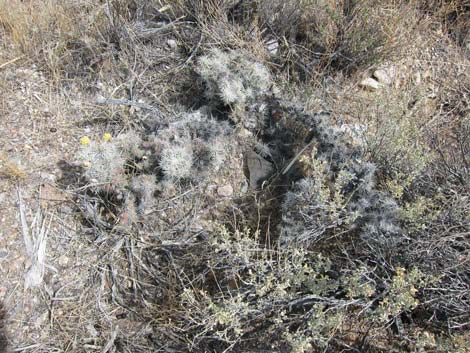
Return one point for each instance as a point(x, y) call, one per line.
point(10, 169)
point(321, 37)
point(49, 31)
point(454, 16)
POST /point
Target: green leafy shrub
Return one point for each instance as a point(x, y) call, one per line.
point(291, 295)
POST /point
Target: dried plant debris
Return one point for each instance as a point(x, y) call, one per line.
point(3, 337)
point(35, 239)
point(9, 169)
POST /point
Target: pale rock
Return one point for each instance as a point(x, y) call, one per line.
point(259, 169)
point(417, 77)
point(47, 176)
point(63, 260)
point(225, 191)
point(272, 46)
point(370, 84)
point(244, 133)
point(92, 330)
point(385, 76)
point(244, 187)
point(172, 44)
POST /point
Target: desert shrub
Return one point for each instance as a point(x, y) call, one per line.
point(454, 16)
point(337, 194)
point(394, 252)
point(326, 36)
point(65, 47)
point(290, 295)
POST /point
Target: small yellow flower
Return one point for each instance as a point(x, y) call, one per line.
point(87, 164)
point(84, 141)
point(107, 136)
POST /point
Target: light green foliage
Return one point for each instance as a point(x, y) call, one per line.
point(268, 281)
point(358, 285)
point(396, 136)
point(458, 343)
point(298, 342)
point(401, 293)
point(418, 214)
point(319, 201)
point(324, 324)
point(274, 281)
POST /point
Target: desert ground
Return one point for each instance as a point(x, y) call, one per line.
point(234, 176)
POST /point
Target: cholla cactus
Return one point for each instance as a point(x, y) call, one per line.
point(233, 80)
point(177, 161)
point(192, 147)
point(316, 205)
point(103, 161)
point(338, 192)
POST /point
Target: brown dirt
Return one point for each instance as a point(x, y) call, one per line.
point(38, 129)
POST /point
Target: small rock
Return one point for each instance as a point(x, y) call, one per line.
point(172, 44)
point(3, 254)
point(385, 76)
point(244, 133)
point(244, 187)
point(370, 84)
point(259, 169)
point(92, 330)
point(417, 77)
point(272, 46)
point(47, 177)
point(225, 191)
point(63, 260)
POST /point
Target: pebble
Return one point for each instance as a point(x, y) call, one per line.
point(272, 45)
point(370, 84)
point(63, 260)
point(47, 176)
point(172, 44)
point(225, 191)
point(385, 76)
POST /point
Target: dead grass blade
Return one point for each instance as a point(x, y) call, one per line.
point(35, 239)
